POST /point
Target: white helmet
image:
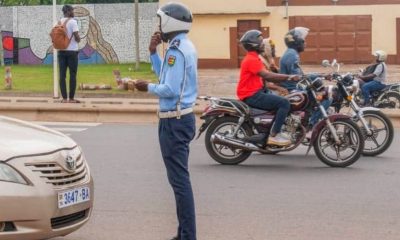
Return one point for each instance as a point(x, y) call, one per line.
point(175, 17)
point(380, 55)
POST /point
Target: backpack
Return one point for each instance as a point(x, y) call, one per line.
point(59, 35)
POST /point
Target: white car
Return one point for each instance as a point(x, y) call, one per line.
point(46, 189)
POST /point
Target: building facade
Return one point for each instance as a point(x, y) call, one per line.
point(348, 30)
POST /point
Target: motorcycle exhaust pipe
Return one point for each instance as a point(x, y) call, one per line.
point(234, 143)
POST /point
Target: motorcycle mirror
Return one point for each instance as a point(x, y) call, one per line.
point(334, 62)
point(326, 63)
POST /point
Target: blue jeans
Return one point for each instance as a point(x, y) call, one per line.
point(370, 87)
point(271, 102)
point(175, 136)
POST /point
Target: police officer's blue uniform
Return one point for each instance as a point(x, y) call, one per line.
point(177, 91)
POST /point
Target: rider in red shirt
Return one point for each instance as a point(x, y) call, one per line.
point(251, 88)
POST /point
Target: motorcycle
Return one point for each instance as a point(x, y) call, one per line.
point(389, 97)
point(376, 127)
point(234, 130)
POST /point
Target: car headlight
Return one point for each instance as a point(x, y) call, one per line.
point(9, 174)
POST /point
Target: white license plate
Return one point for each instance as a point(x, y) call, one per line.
point(73, 196)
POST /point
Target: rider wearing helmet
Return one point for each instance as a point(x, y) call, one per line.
point(375, 76)
point(177, 92)
point(290, 61)
point(290, 64)
point(251, 90)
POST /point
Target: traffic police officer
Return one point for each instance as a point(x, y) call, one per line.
point(177, 90)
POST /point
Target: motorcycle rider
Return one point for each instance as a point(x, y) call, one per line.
point(290, 64)
point(250, 88)
point(374, 78)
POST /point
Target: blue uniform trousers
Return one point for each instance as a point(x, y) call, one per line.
point(175, 136)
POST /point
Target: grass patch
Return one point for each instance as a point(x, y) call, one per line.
point(39, 78)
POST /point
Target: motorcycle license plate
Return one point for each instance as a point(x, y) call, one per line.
point(73, 197)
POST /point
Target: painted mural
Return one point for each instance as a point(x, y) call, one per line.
point(106, 32)
point(92, 48)
point(18, 50)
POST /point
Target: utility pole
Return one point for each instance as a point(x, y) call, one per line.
point(1, 46)
point(55, 56)
point(137, 34)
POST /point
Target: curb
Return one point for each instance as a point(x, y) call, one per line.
point(102, 110)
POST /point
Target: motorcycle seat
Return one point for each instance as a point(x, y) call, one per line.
point(256, 111)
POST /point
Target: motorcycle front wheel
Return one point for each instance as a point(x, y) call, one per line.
point(382, 132)
point(342, 154)
point(225, 154)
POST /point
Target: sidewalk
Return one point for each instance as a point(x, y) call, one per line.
point(137, 107)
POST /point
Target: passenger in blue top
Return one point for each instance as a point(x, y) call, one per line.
point(290, 64)
point(177, 90)
point(290, 61)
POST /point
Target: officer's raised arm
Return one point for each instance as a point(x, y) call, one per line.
point(154, 57)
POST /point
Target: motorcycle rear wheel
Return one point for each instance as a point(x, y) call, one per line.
point(377, 122)
point(393, 96)
point(352, 141)
point(223, 154)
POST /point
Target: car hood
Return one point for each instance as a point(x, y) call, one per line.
point(19, 138)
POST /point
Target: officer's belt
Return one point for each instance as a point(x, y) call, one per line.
point(174, 114)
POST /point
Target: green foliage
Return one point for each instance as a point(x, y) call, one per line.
point(61, 2)
point(39, 78)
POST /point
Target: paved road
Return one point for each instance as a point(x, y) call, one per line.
point(222, 82)
point(287, 196)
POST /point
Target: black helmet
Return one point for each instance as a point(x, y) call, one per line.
point(175, 17)
point(347, 80)
point(295, 38)
point(251, 41)
point(317, 84)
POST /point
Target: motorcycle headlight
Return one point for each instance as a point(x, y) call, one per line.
point(318, 84)
point(9, 174)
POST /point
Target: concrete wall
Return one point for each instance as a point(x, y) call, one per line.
point(107, 31)
point(210, 33)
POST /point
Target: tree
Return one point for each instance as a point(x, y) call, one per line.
point(1, 46)
point(49, 2)
point(137, 34)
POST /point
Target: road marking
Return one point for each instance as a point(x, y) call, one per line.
point(68, 128)
point(81, 124)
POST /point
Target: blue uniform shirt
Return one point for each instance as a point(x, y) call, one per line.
point(177, 71)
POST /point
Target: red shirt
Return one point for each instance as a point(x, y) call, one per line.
point(250, 82)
